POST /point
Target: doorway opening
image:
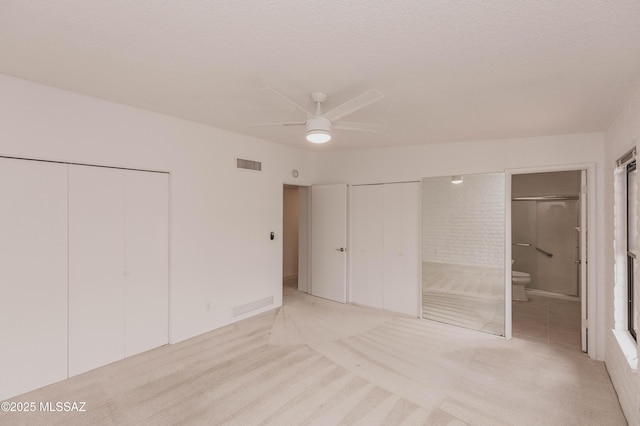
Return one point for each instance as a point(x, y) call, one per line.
point(295, 237)
point(548, 252)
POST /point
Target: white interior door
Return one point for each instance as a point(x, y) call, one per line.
point(329, 242)
point(33, 276)
point(583, 257)
point(303, 238)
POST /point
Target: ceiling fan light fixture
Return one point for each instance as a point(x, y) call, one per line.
point(318, 130)
point(318, 124)
point(318, 136)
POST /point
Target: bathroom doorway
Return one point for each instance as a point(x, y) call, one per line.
point(545, 240)
point(548, 242)
point(295, 237)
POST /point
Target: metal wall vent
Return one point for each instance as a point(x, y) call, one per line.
point(242, 163)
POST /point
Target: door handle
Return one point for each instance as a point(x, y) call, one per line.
point(340, 249)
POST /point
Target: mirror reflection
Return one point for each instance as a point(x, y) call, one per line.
point(463, 238)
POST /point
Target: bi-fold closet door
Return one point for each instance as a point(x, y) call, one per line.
point(84, 269)
point(385, 246)
point(118, 264)
point(33, 275)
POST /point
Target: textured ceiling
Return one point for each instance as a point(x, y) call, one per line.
point(450, 70)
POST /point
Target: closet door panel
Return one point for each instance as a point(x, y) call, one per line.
point(367, 245)
point(146, 261)
point(402, 247)
point(411, 243)
point(33, 276)
point(96, 267)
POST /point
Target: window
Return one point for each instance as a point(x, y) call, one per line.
point(627, 254)
point(632, 249)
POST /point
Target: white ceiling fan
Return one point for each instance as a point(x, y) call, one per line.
point(319, 125)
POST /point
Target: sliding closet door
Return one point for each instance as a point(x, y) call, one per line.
point(402, 248)
point(367, 245)
point(33, 276)
point(146, 288)
point(96, 267)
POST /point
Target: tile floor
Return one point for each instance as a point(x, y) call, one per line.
point(548, 320)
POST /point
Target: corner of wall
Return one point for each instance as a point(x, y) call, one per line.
point(623, 133)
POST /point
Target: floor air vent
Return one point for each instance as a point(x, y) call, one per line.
point(243, 309)
point(242, 163)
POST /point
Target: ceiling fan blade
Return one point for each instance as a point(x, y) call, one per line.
point(364, 127)
point(287, 123)
point(301, 108)
point(354, 104)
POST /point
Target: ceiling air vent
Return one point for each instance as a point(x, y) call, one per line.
point(242, 163)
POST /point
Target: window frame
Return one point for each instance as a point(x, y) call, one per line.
point(631, 259)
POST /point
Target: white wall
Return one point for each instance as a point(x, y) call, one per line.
point(522, 155)
point(409, 163)
point(220, 217)
point(623, 134)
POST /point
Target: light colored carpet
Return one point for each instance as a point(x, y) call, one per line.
point(324, 363)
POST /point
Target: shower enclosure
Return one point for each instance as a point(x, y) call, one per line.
point(546, 242)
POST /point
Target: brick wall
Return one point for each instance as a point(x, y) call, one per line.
point(464, 224)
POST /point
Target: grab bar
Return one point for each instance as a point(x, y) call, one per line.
point(544, 252)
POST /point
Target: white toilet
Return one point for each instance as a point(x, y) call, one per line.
point(518, 282)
